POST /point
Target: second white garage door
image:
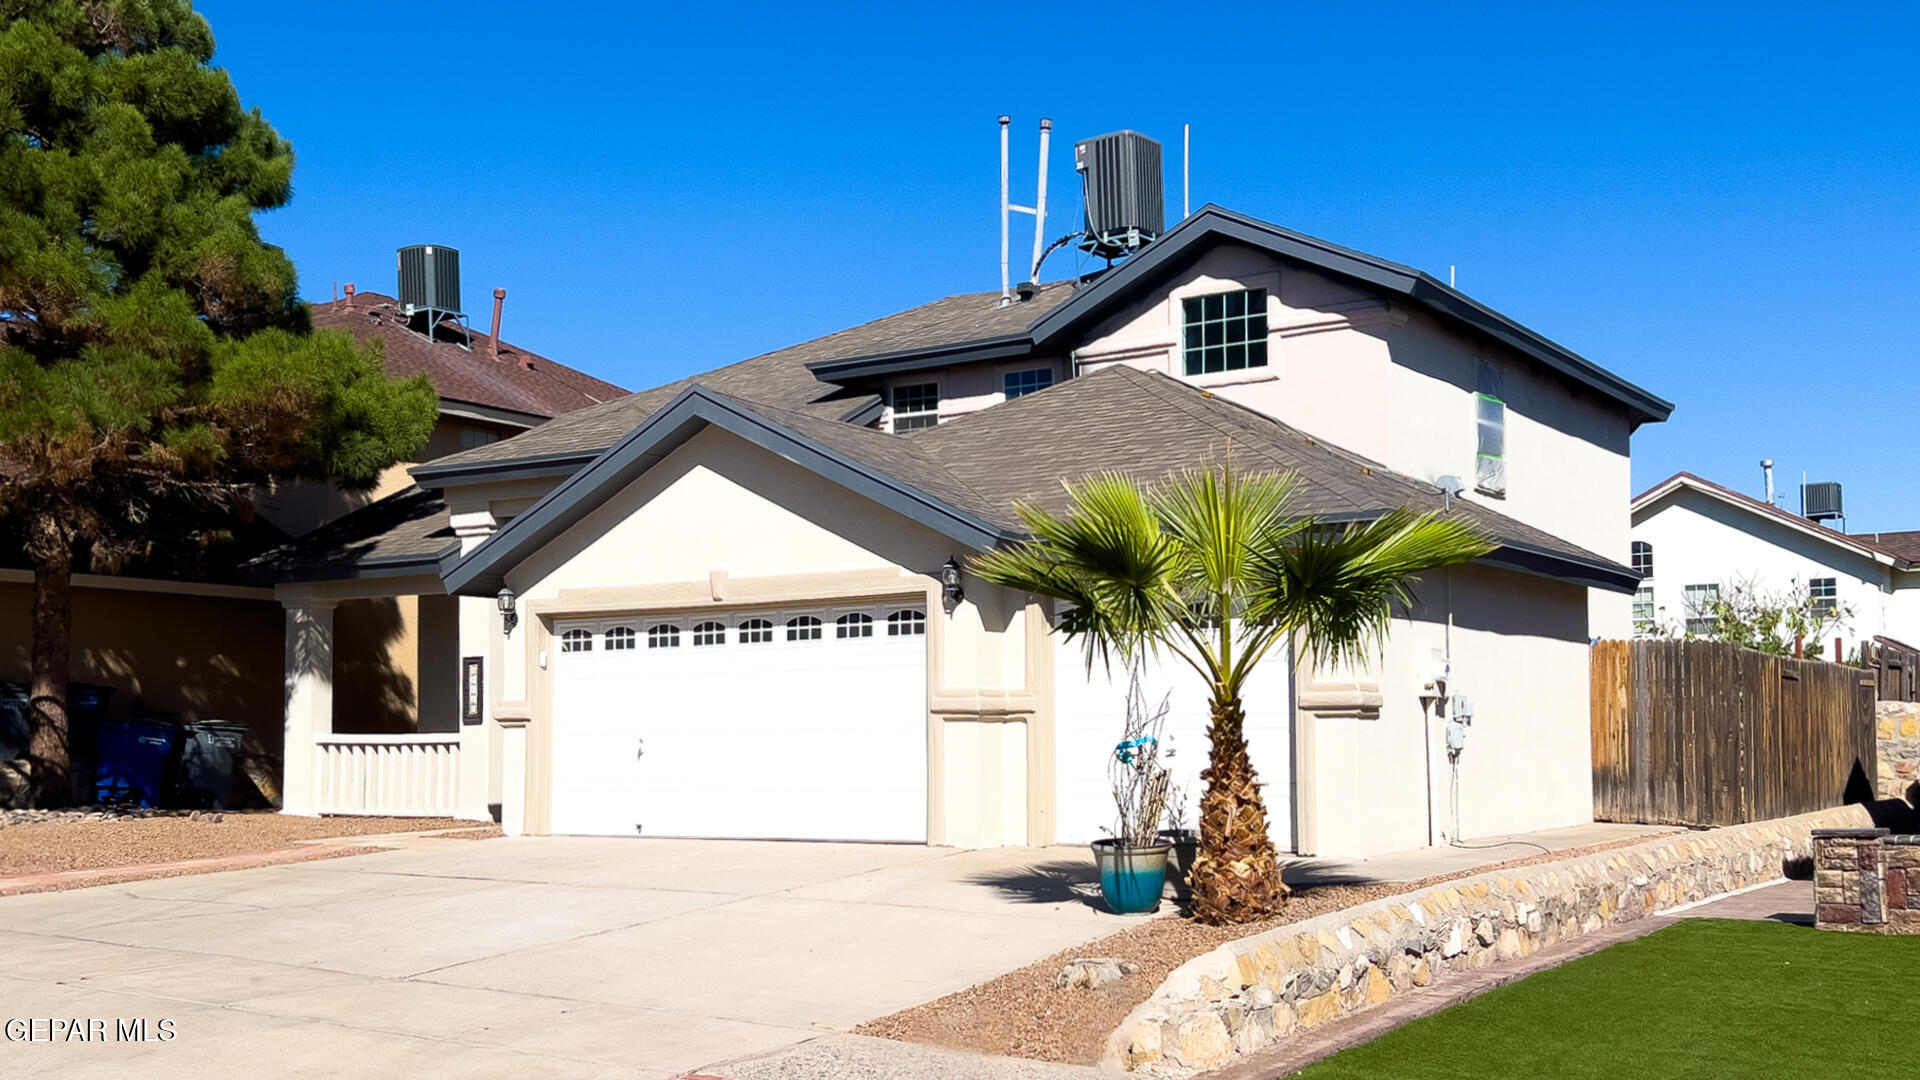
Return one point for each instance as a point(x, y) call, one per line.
point(801, 723)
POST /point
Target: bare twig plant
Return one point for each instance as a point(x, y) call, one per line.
point(1142, 786)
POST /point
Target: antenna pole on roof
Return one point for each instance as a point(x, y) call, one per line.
point(1006, 284)
point(1040, 200)
point(1186, 171)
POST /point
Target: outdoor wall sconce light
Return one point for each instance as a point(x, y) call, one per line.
point(509, 618)
point(950, 584)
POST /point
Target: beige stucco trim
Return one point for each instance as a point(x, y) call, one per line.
point(539, 787)
point(1306, 801)
point(1041, 827)
point(838, 585)
point(1359, 700)
point(983, 704)
point(362, 588)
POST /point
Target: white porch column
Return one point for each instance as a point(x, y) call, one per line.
point(309, 700)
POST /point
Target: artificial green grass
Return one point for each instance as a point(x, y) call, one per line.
point(1702, 998)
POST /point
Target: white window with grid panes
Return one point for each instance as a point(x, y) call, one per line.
point(1224, 331)
point(1824, 592)
point(1701, 600)
point(915, 406)
point(1021, 383)
point(1643, 611)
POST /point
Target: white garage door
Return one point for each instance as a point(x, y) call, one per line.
point(802, 724)
point(1091, 715)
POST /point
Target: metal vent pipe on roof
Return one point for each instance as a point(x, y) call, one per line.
point(493, 338)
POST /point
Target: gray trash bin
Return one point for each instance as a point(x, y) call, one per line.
point(207, 752)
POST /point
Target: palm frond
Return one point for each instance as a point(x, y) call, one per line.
point(1339, 586)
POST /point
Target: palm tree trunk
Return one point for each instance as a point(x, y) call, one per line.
point(1236, 875)
point(47, 750)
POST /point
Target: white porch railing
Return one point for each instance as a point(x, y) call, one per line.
point(396, 775)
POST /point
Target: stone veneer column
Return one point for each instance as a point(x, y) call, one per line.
point(1849, 879)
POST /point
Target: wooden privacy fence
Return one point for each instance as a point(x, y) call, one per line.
point(1706, 733)
point(1894, 667)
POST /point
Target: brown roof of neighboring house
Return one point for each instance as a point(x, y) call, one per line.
point(520, 381)
point(1904, 553)
point(1906, 545)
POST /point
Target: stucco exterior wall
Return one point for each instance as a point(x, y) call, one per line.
point(1519, 651)
point(967, 388)
point(204, 657)
point(1399, 387)
point(719, 511)
point(1700, 540)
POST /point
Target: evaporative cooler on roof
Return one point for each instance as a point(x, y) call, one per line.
point(430, 290)
point(1126, 208)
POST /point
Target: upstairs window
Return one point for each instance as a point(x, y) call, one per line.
point(1643, 613)
point(1643, 558)
point(1022, 383)
point(1701, 601)
point(1825, 594)
point(916, 406)
point(1490, 406)
point(1225, 331)
point(472, 437)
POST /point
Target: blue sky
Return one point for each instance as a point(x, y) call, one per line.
point(1722, 204)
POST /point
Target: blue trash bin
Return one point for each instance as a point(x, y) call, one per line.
point(134, 757)
point(16, 715)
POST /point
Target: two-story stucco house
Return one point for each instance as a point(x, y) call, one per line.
point(1694, 539)
point(728, 606)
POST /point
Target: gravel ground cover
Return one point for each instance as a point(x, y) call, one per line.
point(85, 840)
point(1023, 1014)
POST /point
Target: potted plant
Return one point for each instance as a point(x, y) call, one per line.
point(1133, 860)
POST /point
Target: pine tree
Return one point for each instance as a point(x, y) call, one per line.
point(156, 364)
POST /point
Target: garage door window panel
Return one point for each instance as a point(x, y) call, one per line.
point(576, 641)
point(664, 636)
point(803, 628)
point(907, 623)
point(756, 632)
point(853, 625)
point(709, 633)
point(619, 638)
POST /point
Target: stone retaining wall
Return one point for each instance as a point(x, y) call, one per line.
point(1899, 748)
point(1864, 879)
point(1251, 993)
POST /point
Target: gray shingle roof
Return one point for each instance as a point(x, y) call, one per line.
point(1117, 419)
point(406, 529)
point(1148, 424)
point(778, 379)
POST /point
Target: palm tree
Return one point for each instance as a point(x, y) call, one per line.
point(1212, 566)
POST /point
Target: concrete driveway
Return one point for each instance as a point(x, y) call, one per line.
point(522, 957)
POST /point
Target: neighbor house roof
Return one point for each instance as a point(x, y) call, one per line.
point(522, 383)
point(963, 478)
point(405, 533)
point(1899, 554)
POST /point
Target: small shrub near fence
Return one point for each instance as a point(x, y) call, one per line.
point(1706, 733)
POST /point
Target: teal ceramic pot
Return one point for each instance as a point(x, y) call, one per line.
point(1131, 878)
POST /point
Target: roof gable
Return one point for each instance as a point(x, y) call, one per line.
point(1211, 225)
point(1647, 501)
point(908, 482)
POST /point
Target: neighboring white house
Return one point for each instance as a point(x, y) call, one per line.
point(1694, 539)
point(721, 607)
